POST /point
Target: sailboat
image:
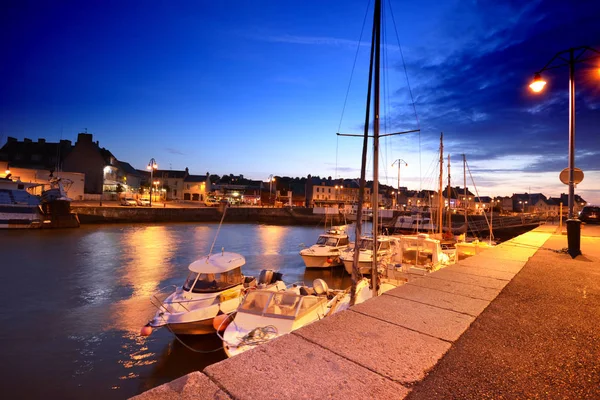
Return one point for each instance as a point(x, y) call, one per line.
point(381, 282)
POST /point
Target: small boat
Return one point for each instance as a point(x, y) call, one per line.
point(18, 207)
point(264, 315)
point(420, 254)
point(215, 286)
point(386, 250)
point(326, 252)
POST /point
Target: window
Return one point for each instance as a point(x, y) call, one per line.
point(208, 283)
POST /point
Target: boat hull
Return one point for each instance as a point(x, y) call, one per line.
point(364, 267)
point(204, 327)
point(315, 261)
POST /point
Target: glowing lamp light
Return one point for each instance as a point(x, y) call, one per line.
point(538, 83)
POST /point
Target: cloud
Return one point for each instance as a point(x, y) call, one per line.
point(174, 151)
point(476, 90)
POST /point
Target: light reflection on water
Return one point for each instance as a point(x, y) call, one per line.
point(76, 300)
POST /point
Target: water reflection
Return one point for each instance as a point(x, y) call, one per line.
point(271, 238)
point(95, 298)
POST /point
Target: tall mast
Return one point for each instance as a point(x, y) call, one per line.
point(361, 189)
point(375, 205)
point(449, 193)
point(465, 189)
point(440, 194)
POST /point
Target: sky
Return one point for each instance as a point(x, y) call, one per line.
point(261, 87)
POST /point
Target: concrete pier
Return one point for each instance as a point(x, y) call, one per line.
point(438, 336)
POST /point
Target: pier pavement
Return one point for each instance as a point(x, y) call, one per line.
point(516, 321)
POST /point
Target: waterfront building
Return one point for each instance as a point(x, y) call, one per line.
point(196, 187)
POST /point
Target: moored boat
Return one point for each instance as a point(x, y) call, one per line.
point(264, 315)
point(387, 247)
point(326, 251)
point(215, 285)
point(19, 208)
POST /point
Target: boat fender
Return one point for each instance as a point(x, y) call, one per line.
point(329, 260)
point(221, 321)
point(146, 330)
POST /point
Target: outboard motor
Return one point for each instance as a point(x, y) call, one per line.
point(265, 277)
point(320, 286)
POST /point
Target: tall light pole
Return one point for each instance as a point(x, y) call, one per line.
point(152, 166)
point(575, 55)
point(271, 180)
point(399, 162)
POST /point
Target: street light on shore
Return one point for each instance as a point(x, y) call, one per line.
point(575, 55)
point(399, 161)
point(271, 180)
point(151, 166)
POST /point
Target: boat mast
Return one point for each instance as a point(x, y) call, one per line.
point(449, 214)
point(361, 189)
point(440, 192)
point(375, 206)
point(465, 189)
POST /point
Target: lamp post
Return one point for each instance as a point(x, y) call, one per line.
point(523, 205)
point(271, 180)
point(155, 183)
point(151, 166)
point(399, 161)
point(575, 55)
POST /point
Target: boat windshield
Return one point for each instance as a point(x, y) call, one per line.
point(280, 304)
point(327, 241)
point(207, 283)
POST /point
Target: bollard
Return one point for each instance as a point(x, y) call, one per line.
point(574, 237)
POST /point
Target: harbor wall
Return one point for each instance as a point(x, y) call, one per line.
point(276, 216)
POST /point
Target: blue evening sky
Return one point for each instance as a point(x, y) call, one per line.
point(258, 87)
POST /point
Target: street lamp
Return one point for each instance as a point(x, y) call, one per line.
point(271, 180)
point(524, 203)
point(151, 166)
point(399, 161)
point(573, 223)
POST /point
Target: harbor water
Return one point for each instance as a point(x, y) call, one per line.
point(74, 302)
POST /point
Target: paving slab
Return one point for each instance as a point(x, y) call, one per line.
point(442, 299)
point(195, 385)
point(490, 273)
point(463, 289)
point(398, 353)
point(482, 281)
point(437, 322)
point(290, 367)
point(493, 263)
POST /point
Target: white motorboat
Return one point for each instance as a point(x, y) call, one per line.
point(264, 315)
point(326, 252)
point(215, 285)
point(386, 250)
point(420, 254)
point(18, 207)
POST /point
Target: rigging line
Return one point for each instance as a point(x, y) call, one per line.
point(354, 65)
point(386, 97)
point(218, 230)
point(477, 192)
point(412, 99)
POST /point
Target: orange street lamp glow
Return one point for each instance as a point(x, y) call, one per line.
point(538, 83)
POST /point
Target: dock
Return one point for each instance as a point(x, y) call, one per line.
point(517, 321)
